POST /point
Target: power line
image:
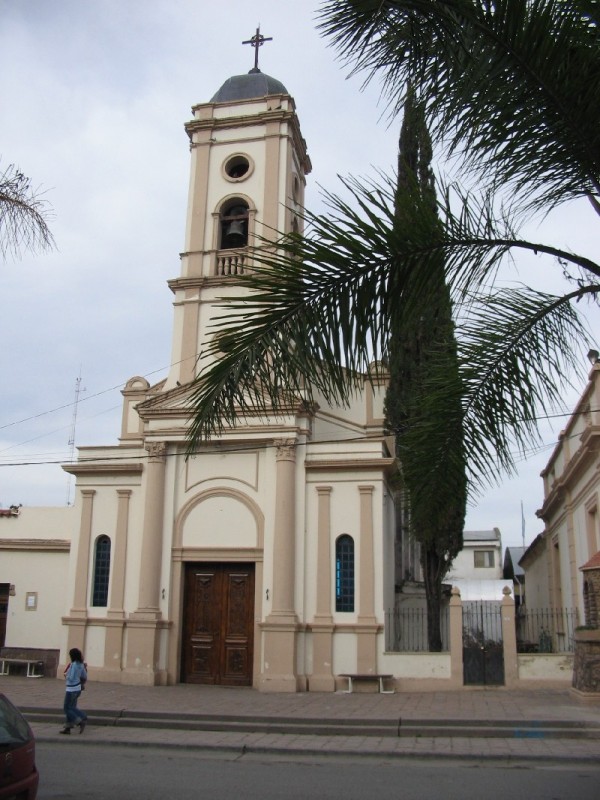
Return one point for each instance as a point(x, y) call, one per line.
point(218, 447)
point(89, 397)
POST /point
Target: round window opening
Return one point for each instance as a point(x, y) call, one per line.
point(237, 167)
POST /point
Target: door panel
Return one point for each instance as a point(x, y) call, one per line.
point(483, 651)
point(202, 625)
point(218, 624)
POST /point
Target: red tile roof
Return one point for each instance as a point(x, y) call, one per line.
point(593, 563)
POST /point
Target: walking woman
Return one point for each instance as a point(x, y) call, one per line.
point(76, 676)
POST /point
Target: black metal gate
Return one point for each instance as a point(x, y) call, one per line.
point(483, 651)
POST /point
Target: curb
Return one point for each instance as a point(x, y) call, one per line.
point(242, 750)
point(388, 728)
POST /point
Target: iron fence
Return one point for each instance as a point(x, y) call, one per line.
point(406, 630)
point(545, 630)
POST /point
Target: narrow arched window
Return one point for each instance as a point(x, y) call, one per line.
point(234, 225)
point(101, 571)
point(344, 573)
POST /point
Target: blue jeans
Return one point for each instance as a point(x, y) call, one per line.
point(73, 714)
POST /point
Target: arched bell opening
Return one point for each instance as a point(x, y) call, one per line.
point(233, 221)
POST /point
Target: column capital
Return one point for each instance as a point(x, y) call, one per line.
point(285, 449)
point(156, 450)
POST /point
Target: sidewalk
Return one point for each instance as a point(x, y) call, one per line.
point(510, 726)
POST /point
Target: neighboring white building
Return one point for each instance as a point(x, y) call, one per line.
point(477, 569)
point(570, 511)
point(480, 559)
point(267, 558)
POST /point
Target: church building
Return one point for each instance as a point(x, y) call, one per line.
point(266, 559)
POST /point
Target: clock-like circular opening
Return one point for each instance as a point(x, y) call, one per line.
point(237, 167)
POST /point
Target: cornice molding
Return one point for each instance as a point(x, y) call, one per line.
point(204, 281)
point(103, 469)
point(39, 545)
point(239, 121)
point(211, 555)
point(350, 463)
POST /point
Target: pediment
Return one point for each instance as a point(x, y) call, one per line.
point(176, 402)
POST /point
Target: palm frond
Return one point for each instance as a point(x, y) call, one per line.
point(512, 87)
point(24, 215)
point(518, 348)
point(318, 311)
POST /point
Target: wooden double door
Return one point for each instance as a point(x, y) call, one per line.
point(218, 624)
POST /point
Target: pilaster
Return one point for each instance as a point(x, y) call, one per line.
point(509, 639)
point(280, 627)
point(77, 618)
point(83, 554)
point(113, 642)
point(144, 623)
point(456, 639)
point(322, 679)
point(366, 630)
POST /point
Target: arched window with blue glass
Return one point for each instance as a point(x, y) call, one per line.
point(101, 571)
point(344, 573)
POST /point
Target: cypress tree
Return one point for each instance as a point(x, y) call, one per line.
point(422, 342)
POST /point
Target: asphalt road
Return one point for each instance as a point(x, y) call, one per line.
point(99, 772)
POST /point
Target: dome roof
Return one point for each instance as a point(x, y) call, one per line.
point(245, 87)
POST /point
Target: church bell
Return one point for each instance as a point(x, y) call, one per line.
point(234, 228)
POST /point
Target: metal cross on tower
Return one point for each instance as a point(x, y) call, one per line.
point(257, 41)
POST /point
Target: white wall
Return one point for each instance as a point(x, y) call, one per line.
point(43, 573)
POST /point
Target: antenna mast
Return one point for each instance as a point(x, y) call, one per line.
point(71, 441)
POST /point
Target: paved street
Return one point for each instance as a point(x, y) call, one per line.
point(74, 770)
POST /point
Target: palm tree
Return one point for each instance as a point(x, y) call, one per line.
point(23, 215)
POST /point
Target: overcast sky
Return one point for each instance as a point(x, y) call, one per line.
point(93, 97)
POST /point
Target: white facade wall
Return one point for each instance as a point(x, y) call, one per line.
point(571, 504)
point(43, 575)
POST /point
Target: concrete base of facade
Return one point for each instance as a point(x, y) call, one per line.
point(127, 677)
point(321, 683)
point(280, 673)
point(425, 684)
point(280, 683)
point(144, 678)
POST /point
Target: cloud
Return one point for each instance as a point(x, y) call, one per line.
point(94, 98)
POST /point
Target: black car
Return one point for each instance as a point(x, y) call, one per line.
point(18, 774)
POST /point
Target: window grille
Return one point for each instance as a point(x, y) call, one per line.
point(344, 573)
point(101, 571)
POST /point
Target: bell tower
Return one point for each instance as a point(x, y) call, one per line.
point(248, 173)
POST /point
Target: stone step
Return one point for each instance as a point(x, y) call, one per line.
point(538, 729)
